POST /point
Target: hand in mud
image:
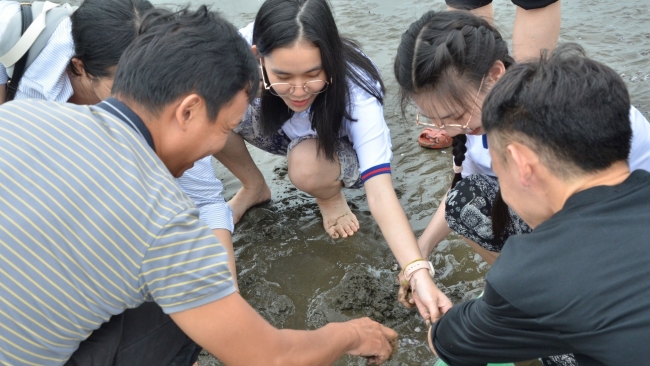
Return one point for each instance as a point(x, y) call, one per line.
point(431, 302)
point(404, 294)
point(377, 343)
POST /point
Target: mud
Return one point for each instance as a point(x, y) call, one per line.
point(299, 278)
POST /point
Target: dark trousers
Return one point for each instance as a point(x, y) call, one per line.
point(141, 336)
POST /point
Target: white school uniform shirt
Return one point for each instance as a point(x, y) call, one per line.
point(369, 136)
point(368, 133)
point(46, 77)
point(478, 161)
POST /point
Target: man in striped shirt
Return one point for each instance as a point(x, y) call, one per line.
point(92, 221)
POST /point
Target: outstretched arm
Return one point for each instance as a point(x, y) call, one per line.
point(436, 231)
point(394, 225)
point(234, 333)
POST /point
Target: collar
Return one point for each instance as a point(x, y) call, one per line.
point(124, 113)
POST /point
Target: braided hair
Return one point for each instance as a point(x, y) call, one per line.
point(444, 54)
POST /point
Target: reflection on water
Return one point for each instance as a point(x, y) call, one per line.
point(297, 277)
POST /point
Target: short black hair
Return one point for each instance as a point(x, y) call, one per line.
point(186, 52)
point(101, 31)
point(571, 110)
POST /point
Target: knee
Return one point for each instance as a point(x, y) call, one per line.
point(304, 174)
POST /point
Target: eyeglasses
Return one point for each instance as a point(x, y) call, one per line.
point(284, 89)
point(94, 78)
point(465, 128)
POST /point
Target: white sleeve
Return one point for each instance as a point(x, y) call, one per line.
point(247, 33)
point(477, 158)
point(369, 135)
point(46, 77)
point(201, 185)
point(7, 10)
point(640, 152)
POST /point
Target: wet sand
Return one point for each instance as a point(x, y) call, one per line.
point(297, 277)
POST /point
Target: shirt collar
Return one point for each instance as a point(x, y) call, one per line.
point(124, 113)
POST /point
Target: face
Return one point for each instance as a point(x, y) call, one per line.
point(455, 118)
point(516, 189)
point(102, 86)
point(202, 137)
point(297, 65)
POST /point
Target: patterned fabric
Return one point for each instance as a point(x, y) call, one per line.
point(280, 144)
point(561, 360)
point(469, 210)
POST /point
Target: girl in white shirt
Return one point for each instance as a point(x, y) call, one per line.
point(78, 61)
point(321, 106)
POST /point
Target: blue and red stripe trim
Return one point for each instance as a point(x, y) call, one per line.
point(375, 171)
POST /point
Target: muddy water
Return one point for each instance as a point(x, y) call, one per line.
point(297, 277)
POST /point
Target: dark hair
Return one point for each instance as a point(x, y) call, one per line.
point(280, 23)
point(571, 110)
point(101, 31)
point(445, 53)
point(186, 52)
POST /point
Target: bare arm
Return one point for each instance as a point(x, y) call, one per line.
point(436, 231)
point(225, 237)
point(394, 225)
point(234, 333)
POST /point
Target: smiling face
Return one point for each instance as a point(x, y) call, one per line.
point(198, 136)
point(297, 64)
point(457, 118)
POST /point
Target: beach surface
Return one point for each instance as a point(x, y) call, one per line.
point(299, 278)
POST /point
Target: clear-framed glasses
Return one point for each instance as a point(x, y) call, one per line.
point(284, 89)
point(465, 128)
point(95, 78)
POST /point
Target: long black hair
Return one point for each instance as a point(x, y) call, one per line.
point(445, 54)
point(282, 23)
point(101, 31)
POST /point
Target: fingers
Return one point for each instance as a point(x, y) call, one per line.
point(427, 312)
point(378, 343)
point(403, 297)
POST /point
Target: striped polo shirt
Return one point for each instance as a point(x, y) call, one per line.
point(91, 223)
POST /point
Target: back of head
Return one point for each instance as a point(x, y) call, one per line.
point(182, 53)
point(571, 110)
point(102, 29)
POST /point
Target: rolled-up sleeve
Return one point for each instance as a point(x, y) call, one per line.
point(201, 185)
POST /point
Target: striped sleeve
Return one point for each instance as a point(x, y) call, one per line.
point(369, 135)
point(375, 171)
point(186, 266)
point(200, 184)
point(46, 77)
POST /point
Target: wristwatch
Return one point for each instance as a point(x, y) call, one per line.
point(416, 266)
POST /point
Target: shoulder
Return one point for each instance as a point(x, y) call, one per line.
point(247, 32)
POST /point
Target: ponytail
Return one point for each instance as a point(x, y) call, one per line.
point(459, 149)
